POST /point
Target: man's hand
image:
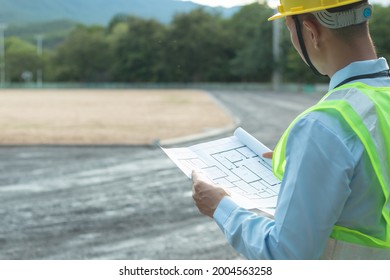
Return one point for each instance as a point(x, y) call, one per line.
point(206, 195)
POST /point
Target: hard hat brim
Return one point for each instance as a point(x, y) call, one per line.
point(276, 16)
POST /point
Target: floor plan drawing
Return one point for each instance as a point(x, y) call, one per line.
point(235, 163)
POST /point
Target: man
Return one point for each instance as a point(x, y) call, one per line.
point(334, 160)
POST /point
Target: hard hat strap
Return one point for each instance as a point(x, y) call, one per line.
point(303, 46)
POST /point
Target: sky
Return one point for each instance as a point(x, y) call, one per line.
point(231, 3)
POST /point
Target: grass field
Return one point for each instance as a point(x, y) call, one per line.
point(96, 117)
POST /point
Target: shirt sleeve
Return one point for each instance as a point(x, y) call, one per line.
point(313, 193)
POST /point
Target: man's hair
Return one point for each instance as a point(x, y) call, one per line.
point(351, 31)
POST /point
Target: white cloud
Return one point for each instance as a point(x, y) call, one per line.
point(383, 2)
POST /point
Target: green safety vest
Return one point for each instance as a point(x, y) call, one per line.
point(366, 110)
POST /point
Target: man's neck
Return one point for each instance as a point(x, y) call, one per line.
point(344, 53)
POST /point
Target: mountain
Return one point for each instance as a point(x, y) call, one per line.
point(94, 11)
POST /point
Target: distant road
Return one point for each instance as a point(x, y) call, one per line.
point(120, 202)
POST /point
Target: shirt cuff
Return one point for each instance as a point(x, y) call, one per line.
point(225, 207)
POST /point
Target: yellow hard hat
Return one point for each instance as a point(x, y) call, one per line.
point(296, 7)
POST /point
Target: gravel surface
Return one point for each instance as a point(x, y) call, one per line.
point(120, 202)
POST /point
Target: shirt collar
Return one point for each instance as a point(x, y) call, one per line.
point(358, 68)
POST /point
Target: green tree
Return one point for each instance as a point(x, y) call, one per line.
point(137, 49)
point(198, 48)
point(84, 56)
point(380, 30)
point(118, 20)
point(21, 58)
point(253, 60)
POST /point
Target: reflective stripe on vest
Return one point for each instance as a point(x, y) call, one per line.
point(340, 250)
point(366, 110)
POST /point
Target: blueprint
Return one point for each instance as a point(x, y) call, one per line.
point(236, 164)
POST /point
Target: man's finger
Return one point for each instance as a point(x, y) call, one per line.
point(197, 174)
point(268, 154)
point(196, 180)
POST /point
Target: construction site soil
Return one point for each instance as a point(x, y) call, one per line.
point(121, 201)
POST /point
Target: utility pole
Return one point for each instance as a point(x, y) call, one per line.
point(276, 50)
point(3, 27)
point(39, 53)
point(276, 34)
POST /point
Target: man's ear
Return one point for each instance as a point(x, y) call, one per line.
point(313, 31)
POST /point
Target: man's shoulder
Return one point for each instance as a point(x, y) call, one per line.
point(326, 122)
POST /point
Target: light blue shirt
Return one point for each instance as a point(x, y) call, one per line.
point(328, 180)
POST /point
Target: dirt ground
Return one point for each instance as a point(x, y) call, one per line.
point(61, 116)
point(120, 202)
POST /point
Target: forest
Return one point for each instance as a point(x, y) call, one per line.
point(195, 47)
